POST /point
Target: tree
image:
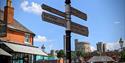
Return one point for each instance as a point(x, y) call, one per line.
point(73, 55)
point(80, 56)
point(61, 54)
point(80, 53)
point(123, 55)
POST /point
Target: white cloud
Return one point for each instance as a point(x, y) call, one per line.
point(50, 46)
point(92, 48)
point(117, 22)
point(33, 7)
point(40, 39)
point(114, 45)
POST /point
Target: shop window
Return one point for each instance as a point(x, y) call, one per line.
point(17, 58)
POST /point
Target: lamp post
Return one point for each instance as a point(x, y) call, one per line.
point(43, 48)
point(122, 59)
point(121, 43)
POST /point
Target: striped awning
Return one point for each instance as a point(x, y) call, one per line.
point(2, 52)
point(25, 49)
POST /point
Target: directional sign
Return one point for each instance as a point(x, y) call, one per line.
point(78, 13)
point(53, 19)
point(50, 9)
point(3, 28)
point(79, 29)
point(74, 12)
point(76, 28)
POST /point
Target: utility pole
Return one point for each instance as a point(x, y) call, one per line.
point(68, 30)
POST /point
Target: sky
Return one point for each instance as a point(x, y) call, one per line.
point(106, 22)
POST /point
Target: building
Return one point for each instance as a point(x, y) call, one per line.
point(17, 45)
point(51, 58)
point(100, 59)
point(82, 46)
point(53, 53)
point(101, 47)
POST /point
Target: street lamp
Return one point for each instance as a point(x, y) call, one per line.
point(43, 48)
point(122, 59)
point(121, 43)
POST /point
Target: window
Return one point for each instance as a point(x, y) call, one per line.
point(27, 38)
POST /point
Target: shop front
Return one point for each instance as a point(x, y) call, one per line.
point(16, 53)
point(22, 58)
point(4, 56)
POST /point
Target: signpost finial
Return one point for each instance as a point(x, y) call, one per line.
point(67, 1)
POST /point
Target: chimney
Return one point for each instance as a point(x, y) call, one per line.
point(9, 12)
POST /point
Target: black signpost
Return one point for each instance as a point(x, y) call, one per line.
point(68, 31)
point(65, 21)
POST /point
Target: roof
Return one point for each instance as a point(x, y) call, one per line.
point(16, 25)
point(100, 59)
point(24, 49)
point(2, 52)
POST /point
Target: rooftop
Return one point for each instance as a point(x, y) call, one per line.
point(16, 25)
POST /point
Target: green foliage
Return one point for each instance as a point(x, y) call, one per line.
point(61, 54)
point(123, 54)
point(73, 55)
point(80, 53)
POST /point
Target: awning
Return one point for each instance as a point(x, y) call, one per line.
point(2, 52)
point(25, 49)
point(100, 59)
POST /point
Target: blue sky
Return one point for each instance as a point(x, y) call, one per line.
point(106, 21)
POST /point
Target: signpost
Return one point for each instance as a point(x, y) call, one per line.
point(75, 28)
point(67, 23)
point(53, 19)
point(52, 10)
point(74, 12)
point(78, 13)
point(79, 29)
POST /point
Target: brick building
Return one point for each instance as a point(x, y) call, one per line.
point(17, 45)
